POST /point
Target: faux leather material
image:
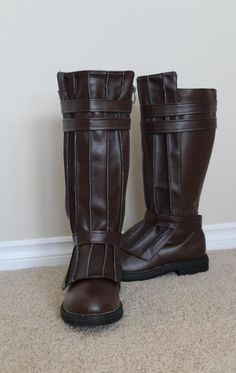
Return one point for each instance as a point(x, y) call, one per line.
point(165, 126)
point(111, 238)
point(95, 124)
point(178, 129)
point(173, 221)
point(92, 105)
point(163, 110)
point(96, 107)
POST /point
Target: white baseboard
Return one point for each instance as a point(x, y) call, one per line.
point(55, 251)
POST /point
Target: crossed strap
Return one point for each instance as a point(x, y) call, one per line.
point(86, 262)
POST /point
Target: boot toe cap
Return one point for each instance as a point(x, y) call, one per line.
point(92, 296)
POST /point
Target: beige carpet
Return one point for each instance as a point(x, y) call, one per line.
point(171, 324)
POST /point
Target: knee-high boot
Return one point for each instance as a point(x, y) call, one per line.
point(96, 108)
point(178, 129)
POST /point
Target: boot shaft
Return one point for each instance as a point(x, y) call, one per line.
point(93, 158)
point(178, 129)
point(96, 108)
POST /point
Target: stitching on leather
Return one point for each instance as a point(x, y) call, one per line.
point(67, 150)
point(144, 157)
point(67, 279)
point(160, 235)
point(90, 182)
point(180, 173)
point(107, 174)
point(130, 231)
point(77, 262)
point(144, 236)
point(169, 176)
point(164, 87)
point(65, 94)
point(105, 259)
point(75, 180)
point(89, 256)
point(166, 234)
point(88, 80)
point(114, 262)
point(106, 89)
point(154, 173)
point(122, 83)
point(106, 85)
point(148, 88)
point(74, 84)
point(167, 141)
point(122, 180)
point(133, 254)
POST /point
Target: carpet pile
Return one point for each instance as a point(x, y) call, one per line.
point(170, 324)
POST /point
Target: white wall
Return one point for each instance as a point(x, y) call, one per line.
point(38, 38)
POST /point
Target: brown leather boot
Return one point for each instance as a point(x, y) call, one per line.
point(178, 129)
point(96, 108)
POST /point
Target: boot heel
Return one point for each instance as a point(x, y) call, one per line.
point(194, 266)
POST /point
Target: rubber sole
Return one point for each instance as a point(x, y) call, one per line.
point(95, 319)
point(189, 267)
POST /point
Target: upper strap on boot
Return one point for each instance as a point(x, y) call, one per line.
point(167, 126)
point(95, 105)
point(196, 116)
point(173, 109)
point(178, 222)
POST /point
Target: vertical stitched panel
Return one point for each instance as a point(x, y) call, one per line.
point(76, 178)
point(161, 182)
point(109, 264)
point(66, 170)
point(71, 181)
point(174, 173)
point(114, 180)
point(125, 147)
point(114, 86)
point(173, 156)
point(97, 85)
point(154, 166)
point(82, 152)
point(121, 180)
point(83, 261)
point(148, 169)
point(107, 179)
point(99, 180)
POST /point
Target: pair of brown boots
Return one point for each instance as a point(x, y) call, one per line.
point(178, 129)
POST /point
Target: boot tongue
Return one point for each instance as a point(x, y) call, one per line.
point(157, 89)
point(112, 85)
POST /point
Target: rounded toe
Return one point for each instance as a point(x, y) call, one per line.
point(92, 296)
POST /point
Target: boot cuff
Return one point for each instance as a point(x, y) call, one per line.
point(110, 85)
point(162, 88)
